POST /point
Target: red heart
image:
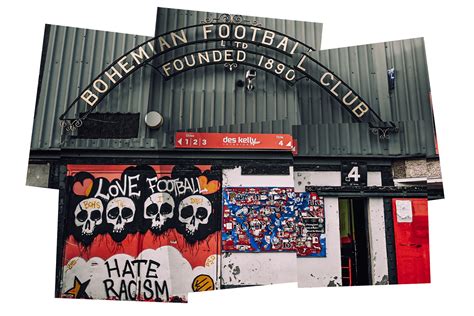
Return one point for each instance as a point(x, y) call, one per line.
point(82, 188)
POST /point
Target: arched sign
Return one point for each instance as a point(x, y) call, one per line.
point(231, 43)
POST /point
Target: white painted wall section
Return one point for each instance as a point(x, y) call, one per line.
point(316, 178)
point(258, 268)
point(326, 271)
point(239, 269)
point(374, 178)
point(377, 240)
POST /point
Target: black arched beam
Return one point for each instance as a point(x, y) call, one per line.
point(303, 66)
point(159, 45)
point(351, 101)
point(241, 36)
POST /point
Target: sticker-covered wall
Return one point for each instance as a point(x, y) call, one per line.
point(273, 219)
point(322, 271)
point(141, 232)
point(240, 268)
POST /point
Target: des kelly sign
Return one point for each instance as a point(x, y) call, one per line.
point(233, 141)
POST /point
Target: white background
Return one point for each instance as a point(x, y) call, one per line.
point(28, 215)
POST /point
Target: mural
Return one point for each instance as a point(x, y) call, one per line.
point(141, 232)
point(141, 199)
point(273, 219)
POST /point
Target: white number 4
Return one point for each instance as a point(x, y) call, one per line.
point(354, 174)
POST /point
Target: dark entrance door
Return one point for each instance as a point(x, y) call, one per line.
point(355, 254)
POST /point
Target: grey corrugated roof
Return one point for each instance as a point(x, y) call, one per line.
point(194, 99)
point(73, 58)
point(327, 129)
point(337, 139)
point(207, 98)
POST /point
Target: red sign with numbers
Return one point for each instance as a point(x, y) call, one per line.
point(233, 141)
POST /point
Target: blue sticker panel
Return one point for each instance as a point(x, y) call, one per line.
point(273, 219)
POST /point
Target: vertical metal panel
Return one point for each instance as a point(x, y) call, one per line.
point(223, 102)
point(410, 98)
point(74, 57)
point(364, 68)
point(207, 99)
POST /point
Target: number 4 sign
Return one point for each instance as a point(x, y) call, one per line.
point(354, 173)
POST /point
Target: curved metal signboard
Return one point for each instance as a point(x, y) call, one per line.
point(232, 42)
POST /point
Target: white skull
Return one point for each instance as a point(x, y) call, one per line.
point(159, 209)
point(120, 211)
point(88, 214)
point(194, 211)
point(256, 227)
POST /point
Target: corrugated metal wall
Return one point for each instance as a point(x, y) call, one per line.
point(74, 57)
point(327, 129)
point(207, 98)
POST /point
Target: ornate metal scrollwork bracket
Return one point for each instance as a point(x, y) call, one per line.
point(384, 131)
point(230, 66)
point(71, 125)
point(230, 18)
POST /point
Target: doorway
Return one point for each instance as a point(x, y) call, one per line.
point(355, 253)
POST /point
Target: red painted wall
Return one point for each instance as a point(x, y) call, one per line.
point(411, 240)
point(140, 232)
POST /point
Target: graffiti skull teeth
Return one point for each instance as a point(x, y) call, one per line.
point(193, 212)
point(120, 211)
point(88, 214)
point(159, 209)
